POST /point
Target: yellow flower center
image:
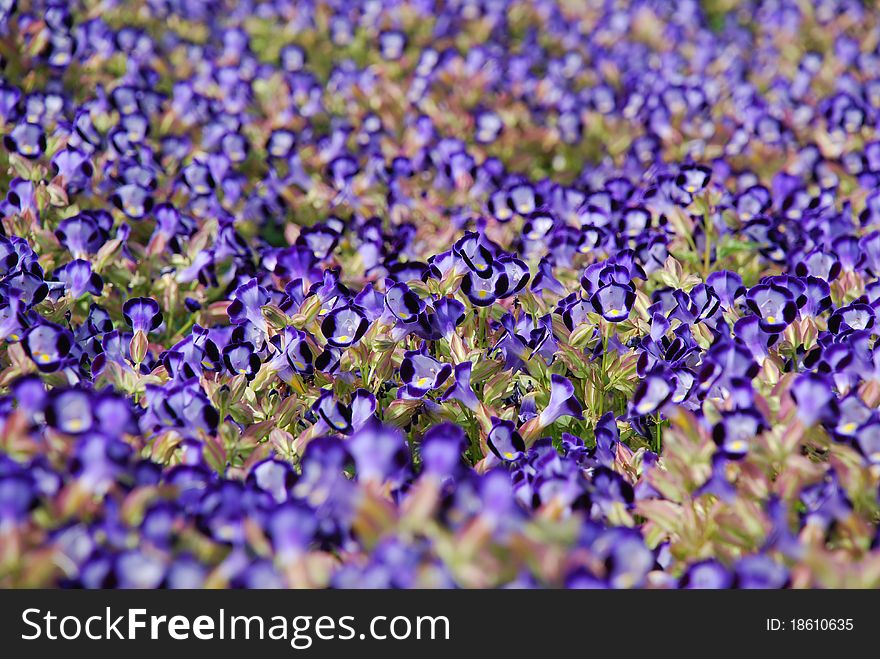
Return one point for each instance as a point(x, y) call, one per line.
point(737, 445)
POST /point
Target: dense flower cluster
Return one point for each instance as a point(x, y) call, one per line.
point(403, 294)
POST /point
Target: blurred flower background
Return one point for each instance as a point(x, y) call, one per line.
point(421, 293)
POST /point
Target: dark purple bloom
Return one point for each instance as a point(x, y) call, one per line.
point(142, 314)
point(392, 43)
point(856, 316)
point(505, 442)
point(344, 326)
point(707, 574)
point(448, 314)
point(461, 389)
point(735, 431)
point(79, 279)
point(403, 303)
point(48, 345)
point(728, 286)
point(814, 395)
point(27, 139)
point(693, 178)
point(293, 353)
point(291, 528)
point(82, 234)
point(760, 572)
point(248, 301)
point(484, 288)
point(134, 201)
point(241, 359)
point(421, 373)
point(614, 301)
point(184, 406)
point(70, 411)
point(380, 452)
point(653, 391)
point(441, 450)
point(563, 402)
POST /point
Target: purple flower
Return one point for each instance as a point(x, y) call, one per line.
point(760, 572)
point(70, 411)
point(184, 406)
point(392, 43)
point(773, 304)
point(293, 353)
point(484, 288)
point(48, 345)
point(240, 358)
point(380, 453)
point(728, 286)
point(247, 304)
point(142, 314)
point(448, 314)
point(344, 326)
point(504, 441)
point(82, 234)
point(441, 450)
point(134, 201)
point(291, 527)
point(653, 391)
point(813, 393)
point(693, 178)
point(26, 139)
point(614, 301)
point(856, 316)
point(707, 574)
point(736, 429)
point(404, 305)
point(562, 402)
point(421, 373)
point(488, 127)
point(79, 279)
point(461, 389)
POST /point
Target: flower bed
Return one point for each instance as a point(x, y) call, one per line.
point(375, 294)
